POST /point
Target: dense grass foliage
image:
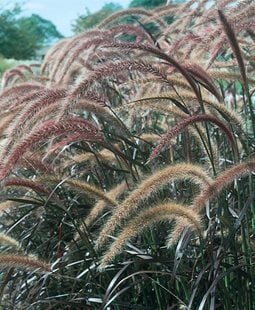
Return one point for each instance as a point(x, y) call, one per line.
point(127, 165)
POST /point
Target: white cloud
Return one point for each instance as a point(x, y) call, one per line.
point(34, 6)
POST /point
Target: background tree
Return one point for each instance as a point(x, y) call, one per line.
point(151, 3)
point(146, 4)
point(21, 37)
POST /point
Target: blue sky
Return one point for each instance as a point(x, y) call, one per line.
point(63, 12)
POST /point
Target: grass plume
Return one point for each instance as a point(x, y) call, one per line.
point(30, 184)
point(86, 187)
point(47, 130)
point(20, 261)
point(7, 240)
point(100, 206)
point(175, 130)
point(234, 44)
point(219, 183)
point(162, 212)
point(75, 180)
point(149, 186)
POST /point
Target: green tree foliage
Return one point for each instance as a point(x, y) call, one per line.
point(21, 37)
point(40, 27)
point(89, 20)
point(151, 4)
point(146, 4)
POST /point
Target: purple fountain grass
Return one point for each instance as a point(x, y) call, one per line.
point(87, 64)
point(196, 13)
point(175, 130)
point(209, 35)
point(161, 55)
point(216, 50)
point(6, 120)
point(103, 113)
point(182, 11)
point(79, 185)
point(36, 164)
point(189, 97)
point(183, 7)
point(7, 205)
point(157, 17)
point(151, 105)
point(234, 45)
point(72, 47)
point(190, 39)
point(44, 98)
point(187, 19)
point(48, 129)
point(229, 76)
point(76, 137)
point(51, 55)
point(90, 101)
point(149, 186)
point(114, 16)
point(173, 80)
point(167, 212)
point(94, 98)
point(246, 26)
point(20, 261)
point(78, 68)
point(9, 118)
point(239, 25)
point(238, 55)
point(12, 95)
point(74, 163)
point(84, 46)
point(66, 69)
point(200, 73)
point(10, 75)
point(25, 68)
point(224, 179)
point(165, 7)
point(159, 12)
point(76, 49)
point(101, 205)
point(103, 156)
point(241, 13)
point(33, 185)
point(130, 29)
point(30, 184)
point(46, 113)
point(55, 58)
point(110, 68)
point(35, 65)
point(21, 101)
point(7, 240)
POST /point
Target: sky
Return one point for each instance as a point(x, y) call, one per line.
point(63, 12)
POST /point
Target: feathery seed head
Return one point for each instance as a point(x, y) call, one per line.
point(136, 225)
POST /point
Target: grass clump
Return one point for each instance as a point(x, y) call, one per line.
point(127, 165)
